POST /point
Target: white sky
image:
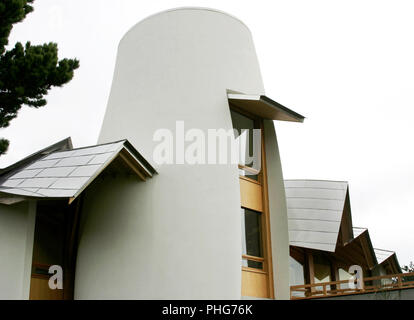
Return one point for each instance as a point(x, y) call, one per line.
point(348, 66)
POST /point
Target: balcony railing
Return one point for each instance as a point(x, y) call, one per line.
point(337, 288)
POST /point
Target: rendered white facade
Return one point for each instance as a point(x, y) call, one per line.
point(16, 244)
point(180, 231)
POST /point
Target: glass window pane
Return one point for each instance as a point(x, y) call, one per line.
point(244, 127)
point(296, 276)
point(296, 272)
point(49, 237)
point(322, 269)
point(248, 175)
point(252, 264)
point(252, 243)
point(344, 275)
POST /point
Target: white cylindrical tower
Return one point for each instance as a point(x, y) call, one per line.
point(178, 235)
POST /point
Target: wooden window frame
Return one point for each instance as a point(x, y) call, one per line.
point(262, 180)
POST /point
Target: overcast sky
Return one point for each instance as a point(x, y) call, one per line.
point(348, 66)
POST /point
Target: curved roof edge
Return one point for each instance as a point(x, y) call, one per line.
point(323, 180)
point(182, 9)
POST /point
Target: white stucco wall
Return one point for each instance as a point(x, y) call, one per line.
point(17, 224)
point(178, 235)
point(278, 214)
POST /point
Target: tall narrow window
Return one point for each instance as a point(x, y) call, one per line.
point(244, 127)
point(251, 237)
point(257, 277)
point(296, 275)
point(55, 243)
point(249, 144)
point(322, 270)
point(48, 249)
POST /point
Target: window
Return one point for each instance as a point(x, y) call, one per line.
point(296, 272)
point(55, 243)
point(344, 275)
point(322, 269)
point(251, 237)
point(249, 143)
point(296, 275)
point(49, 239)
point(257, 276)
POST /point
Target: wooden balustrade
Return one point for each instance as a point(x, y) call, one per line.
point(333, 288)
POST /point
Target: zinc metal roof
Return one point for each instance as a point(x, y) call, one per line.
point(63, 145)
point(358, 231)
point(382, 254)
point(315, 209)
point(388, 257)
point(65, 174)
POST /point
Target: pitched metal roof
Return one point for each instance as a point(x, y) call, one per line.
point(358, 231)
point(65, 144)
point(65, 174)
point(315, 209)
point(388, 259)
point(382, 255)
point(362, 237)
